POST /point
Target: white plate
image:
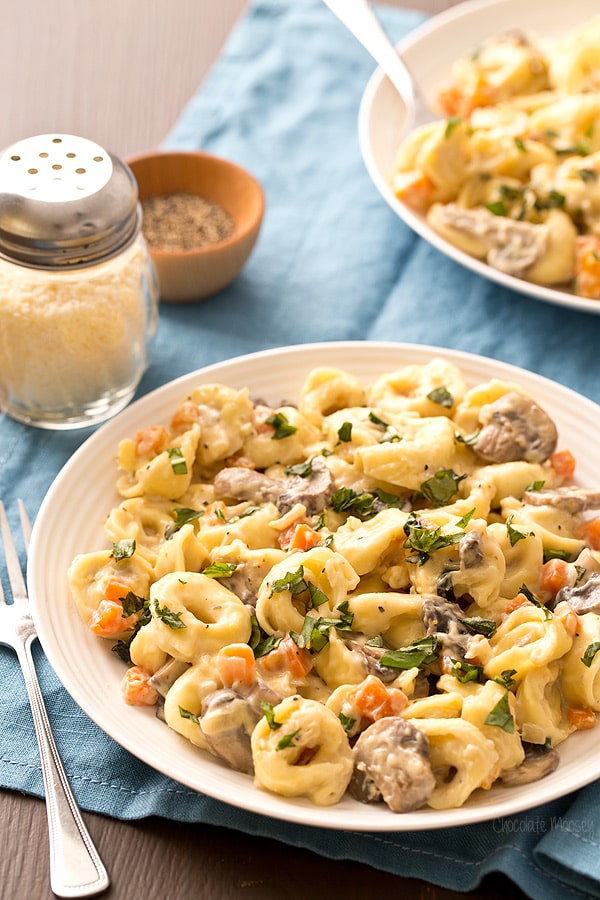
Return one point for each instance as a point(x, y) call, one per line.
point(429, 52)
point(70, 522)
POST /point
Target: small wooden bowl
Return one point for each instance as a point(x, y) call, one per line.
point(186, 276)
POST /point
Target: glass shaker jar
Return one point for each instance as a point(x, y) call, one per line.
point(78, 294)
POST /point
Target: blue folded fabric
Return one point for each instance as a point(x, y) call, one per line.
point(333, 262)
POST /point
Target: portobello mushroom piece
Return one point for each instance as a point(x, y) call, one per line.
point(227, 719)
point(241, 483)
point(539, 761)
point(165, 677)
point(371, 657)
point(443, 619)
point(584, 597)
point(314, 491)
point(572, 500)
point(470, 553)
point(515, 428)
point(391, 763)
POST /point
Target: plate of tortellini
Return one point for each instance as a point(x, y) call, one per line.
point(353, 585)
point(505, 178)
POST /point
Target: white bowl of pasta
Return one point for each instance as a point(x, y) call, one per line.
point(329, 588)
point(490, 177)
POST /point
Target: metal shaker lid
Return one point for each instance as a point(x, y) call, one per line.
point(65, 202)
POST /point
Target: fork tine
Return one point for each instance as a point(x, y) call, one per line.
point(25, 523)
point(13, 566)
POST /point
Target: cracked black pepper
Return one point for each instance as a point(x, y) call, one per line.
point(184, 221)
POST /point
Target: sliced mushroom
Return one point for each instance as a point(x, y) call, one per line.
point(539, 761)
point(227, 720)
point(584, 597)
point(371, 658)
point(167, 675)
point(470, 552)
point(572, 500)
point(443, 619)
point(392, 764)
point(313, 491)
point(241, 483)
point(515, 428)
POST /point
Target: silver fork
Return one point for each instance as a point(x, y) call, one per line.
point(76, 869)
point(359, 18)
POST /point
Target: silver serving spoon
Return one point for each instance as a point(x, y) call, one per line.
point(361, 21)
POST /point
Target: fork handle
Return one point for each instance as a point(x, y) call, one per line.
point(76, 869)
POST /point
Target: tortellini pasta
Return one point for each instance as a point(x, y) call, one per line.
point(390, 589)
point(510, 176)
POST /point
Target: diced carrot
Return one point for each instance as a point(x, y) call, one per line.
point(136, 688)
point(581, 719)
point(236, 665)
point(416, 191)
point(115, 590)
point(554, 576)
point(451, 100)
point(187, 415)
point(288, 657)
point(299, 536)
point(569, 619)
point(108, 620)
point(151, 441)
point(563, 463)
point(589, 532)
point(515, 603)
point(587, 266)
point(375, 701)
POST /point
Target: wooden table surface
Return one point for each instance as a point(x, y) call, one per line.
point(154, 859)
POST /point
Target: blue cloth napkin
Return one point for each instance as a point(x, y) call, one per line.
point(333, 262)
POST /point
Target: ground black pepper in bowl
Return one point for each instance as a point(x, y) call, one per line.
point(184, 221)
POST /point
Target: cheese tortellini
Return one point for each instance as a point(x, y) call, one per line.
point(390, 589)
point(511, 175)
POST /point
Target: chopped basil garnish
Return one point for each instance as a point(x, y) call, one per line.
point(271, 642)
point(477, 625)
point(425, 541)
point(293, 582)
point(514, 535)
point(535, 486)
point(269, 714)
point(123, 549)
point(183, 515)
point(376, 641)
point(186, 714)
point(377, 420)
point(303, 469)
point(442, 396)
point(551, 553)
point(177, 459)
point(170, 618)
point(520, 144)
point(505, 678)
point(451, 125)
point(501, 716)
point(590, 652)
point(316, 595)
point(465, 672)
point(588, 175)
point(497, 208)
point(281, 425)
point(441, 487)
point(219, 569)
point(345, 432)
point(287, 740)
point(420, 652)
point(132, 604)
point(348, 722)
point(532, 599)
point(347, 500)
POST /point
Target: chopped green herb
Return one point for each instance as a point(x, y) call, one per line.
point(441, 487)
point(551, 553)
point(497, 208)
point(501, 716)
point(376, 641)
point(590, 652)
point(271, 642)
point(348, 722)
point(535, 486)
point(269, 714)
point(186, 714)
point(123, 549)
point(347, 500)
point(177, 459)
point(477, 625)
point(514, 535)
point(588, 175)
point(183, 515)
point(464, 521)
point(132, 604)
point(505, 678)
point(345, 432)
point(520, 144)
point(425, 541)
point(442, 396)
point(293, 582)
point(532, 599)
point(419, 653)
point(468, 439)
point(219, 569)
point(451, 124)
point(287, 740)
point(392, 500)
point(303, 469)
point(318, 598)
point(377, 420)
point(465, 672)
point(282, 427)
point(170, 618)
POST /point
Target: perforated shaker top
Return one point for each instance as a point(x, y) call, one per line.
point(65, 202)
